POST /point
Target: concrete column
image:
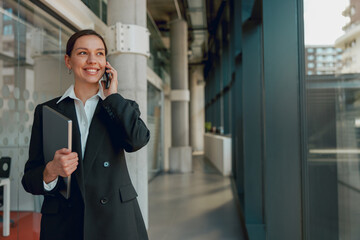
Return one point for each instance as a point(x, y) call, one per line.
point(197, 108)
point(180, 152)
point(133, 85)
point(167, 126)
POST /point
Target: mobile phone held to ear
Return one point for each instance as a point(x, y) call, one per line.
point(107, 77)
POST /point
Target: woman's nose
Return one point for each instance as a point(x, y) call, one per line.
point(91, 58)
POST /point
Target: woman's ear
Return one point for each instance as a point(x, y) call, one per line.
point(67, 61)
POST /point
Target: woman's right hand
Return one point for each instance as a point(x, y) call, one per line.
point(64, 164)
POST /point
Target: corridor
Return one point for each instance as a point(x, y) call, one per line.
point(198, 205)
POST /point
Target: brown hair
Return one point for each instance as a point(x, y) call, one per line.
point(71, 42)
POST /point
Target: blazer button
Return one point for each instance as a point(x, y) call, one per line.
point(106, 164)
point(103, 201)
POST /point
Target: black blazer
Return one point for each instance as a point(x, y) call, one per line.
point(103, 202)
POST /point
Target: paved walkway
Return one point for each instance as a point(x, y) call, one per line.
point(198, 205)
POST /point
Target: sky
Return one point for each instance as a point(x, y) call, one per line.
point(323, 21)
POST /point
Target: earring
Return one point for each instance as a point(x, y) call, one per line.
point(69, 71)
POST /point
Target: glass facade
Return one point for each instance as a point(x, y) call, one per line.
point(333, 134)
point(98, 7)
point(32, 71)
point(333, 156)
point(159, 63)
point(155, 145)
point(159, 60)
point(217, 72)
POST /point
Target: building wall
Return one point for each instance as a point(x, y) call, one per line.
point(349, 41)
point(354, 11)
point(350, 56)
point(322, 60)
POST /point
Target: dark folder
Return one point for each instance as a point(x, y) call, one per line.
point(57, 134)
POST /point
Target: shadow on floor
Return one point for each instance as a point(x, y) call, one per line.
point(197, 205)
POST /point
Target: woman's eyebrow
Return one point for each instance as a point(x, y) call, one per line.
point(82, 48)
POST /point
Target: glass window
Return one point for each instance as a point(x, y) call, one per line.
point(332, 128)
point(311, 65)
point(159, 60)
point(330, 58)
point(310, 50)
point(154, 103)
point(99, 7)
point(104, 11)
point(32, 48)
point(8, 30)
point(311, 57)
point(352, 11)
point(7, 15)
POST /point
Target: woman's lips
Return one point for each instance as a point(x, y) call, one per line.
point(91, 70)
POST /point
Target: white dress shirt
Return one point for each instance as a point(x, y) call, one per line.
point(84, 113)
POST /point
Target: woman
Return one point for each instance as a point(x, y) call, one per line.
point(102, 203)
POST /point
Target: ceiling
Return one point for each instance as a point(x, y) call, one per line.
point(197, 13)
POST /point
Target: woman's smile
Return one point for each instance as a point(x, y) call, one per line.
point(92, 71)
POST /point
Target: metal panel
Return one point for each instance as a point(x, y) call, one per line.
point(282, 120)
point(253, 130)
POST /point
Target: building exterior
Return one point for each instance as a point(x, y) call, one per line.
point(349, 41)
point(320, 60)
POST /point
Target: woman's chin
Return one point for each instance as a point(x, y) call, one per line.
point(90, 80)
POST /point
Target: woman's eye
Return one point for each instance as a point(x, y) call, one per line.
point(100, 53)
point(82, 53)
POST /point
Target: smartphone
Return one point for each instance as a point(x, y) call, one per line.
point(107, 79)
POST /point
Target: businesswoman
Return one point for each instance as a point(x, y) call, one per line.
point(102, 203)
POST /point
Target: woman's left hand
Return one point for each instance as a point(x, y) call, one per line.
point(113, 81)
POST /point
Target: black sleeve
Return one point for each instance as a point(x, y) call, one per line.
point(125, 119)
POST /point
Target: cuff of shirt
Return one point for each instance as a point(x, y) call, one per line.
point(51, 185)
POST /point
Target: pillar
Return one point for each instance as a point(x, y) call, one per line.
point(197, 108)
point(180, 151)
point(131, 70)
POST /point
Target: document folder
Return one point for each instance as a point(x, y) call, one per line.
point(57, 134)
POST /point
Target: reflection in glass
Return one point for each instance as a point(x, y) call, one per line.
point(153, 123)
point(31, 65)
point(333, 126)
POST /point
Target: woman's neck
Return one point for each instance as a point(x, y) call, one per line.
point(84, 91)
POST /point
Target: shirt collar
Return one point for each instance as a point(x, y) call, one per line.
point(70, 92)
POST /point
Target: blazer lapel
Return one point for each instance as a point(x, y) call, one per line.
point(95, 137)
point(67, 107)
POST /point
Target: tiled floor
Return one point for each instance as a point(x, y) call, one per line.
point(26, 226)
point(198, 205)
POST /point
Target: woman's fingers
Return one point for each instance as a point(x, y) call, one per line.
point(65, 162)
point(68, 170)
point(113, 80)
